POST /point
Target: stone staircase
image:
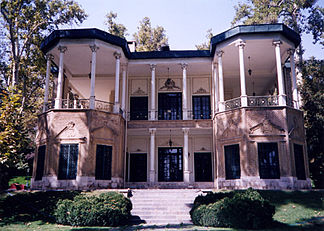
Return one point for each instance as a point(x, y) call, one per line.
point(162, 206)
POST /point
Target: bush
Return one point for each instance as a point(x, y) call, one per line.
point(31, 206)
point(247, 210)
point(107, 209)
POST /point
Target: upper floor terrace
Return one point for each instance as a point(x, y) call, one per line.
point(245, 67)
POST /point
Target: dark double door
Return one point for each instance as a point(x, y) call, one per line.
point(170, 161)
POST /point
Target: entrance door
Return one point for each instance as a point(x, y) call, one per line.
point(203, 167)
point(138, 167)
point(170, 164)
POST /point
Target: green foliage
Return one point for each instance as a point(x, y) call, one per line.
point(15, 142)
point(312, 92)
point(31, 206)
point(148, 38)
point(246, 209)
point(114, 28)
point(20, 180)
point(107, 209)
point(206, 45)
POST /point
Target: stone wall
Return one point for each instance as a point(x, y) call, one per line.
point(87, 128)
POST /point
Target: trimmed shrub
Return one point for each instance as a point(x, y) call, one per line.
point(107, 209)
point(247, 210)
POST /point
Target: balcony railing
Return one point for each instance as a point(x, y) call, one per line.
point(83, 104)
point(233, 103)
point(263, 101)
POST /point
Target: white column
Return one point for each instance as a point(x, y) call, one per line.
point(281, 84)
point(216, 88)
point(152, 154)
point(221, 81)
point(123, 102)
point(59, 91)
point(94, 49)
point(152, 111)
point(241, 45)
point(293, 78)
point(186, 172)
point(49, 58)
point(116, 106)
point(184, 91)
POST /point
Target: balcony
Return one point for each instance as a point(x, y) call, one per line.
point(253, 101)
point(77, 104)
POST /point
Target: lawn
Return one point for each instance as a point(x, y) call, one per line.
point(295, 210)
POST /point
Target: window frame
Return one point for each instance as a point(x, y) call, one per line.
point(105, 160)
point(138, 114)
point(299, 167)
point(40, 166)
point(200, 111)
point(236, 158)
point(268, 170)
point(68, 175)
point(165, 109)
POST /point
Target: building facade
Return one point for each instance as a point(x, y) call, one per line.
point(224, 118)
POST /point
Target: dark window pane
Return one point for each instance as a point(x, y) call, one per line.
point(203, 167)
point(170, 106)
point(268, 161)
point(201, 107)
point(170, 164)
point(232, 162)
point(40, 162)
point(68, 161)
point(138, 167)
point(103, 162)
point(138, 108)
point(299, 162)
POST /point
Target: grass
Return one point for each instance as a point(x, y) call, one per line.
point(32, 211)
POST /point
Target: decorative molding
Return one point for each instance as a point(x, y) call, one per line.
point(139, 91)
point(200, 91)
point(276, 43)
point(169, 84)
point(184, 66)
point(266, 128)
point(152, 67)
point(117, 55)
point(62, 49)
point(94, 48)
point(49, 57)
point(231, 129)
point(68, 130)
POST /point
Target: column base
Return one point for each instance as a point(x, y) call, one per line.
point(282, 100)
point(58, 103)
point(244, 101)
point(116, 108)
point(92, 102)
point(221, 106)
point(152, 176)
point(186, 177)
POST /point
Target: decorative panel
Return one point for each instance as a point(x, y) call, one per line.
point(202, 144)
point(168, 84)
point(139, 87)
point(200, 86)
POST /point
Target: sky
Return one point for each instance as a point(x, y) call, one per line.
point(186, 21)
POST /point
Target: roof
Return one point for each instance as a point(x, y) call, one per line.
point(255, 29)
point(93, 33)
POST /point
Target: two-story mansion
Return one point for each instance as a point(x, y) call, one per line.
point(227, 117)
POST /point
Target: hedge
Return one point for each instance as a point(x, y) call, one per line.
point(107, 209)
point(245, 209)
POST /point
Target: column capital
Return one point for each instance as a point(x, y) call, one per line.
point(183, 65)
point(62, 49)
point(117, 55)
point(152, 131)
point(94, 48)
point(291, 51)
point(49, 57)
point(240, 44)
point(185, 131)
point(152, 66)
point(219, 53)
point(276, 43)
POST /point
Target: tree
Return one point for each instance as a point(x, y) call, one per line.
point(26, 20)
point(148, 38)
point(23, 67)
point(312, 92)
point(15, 142)
point(114, 28)
point(206, 45)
